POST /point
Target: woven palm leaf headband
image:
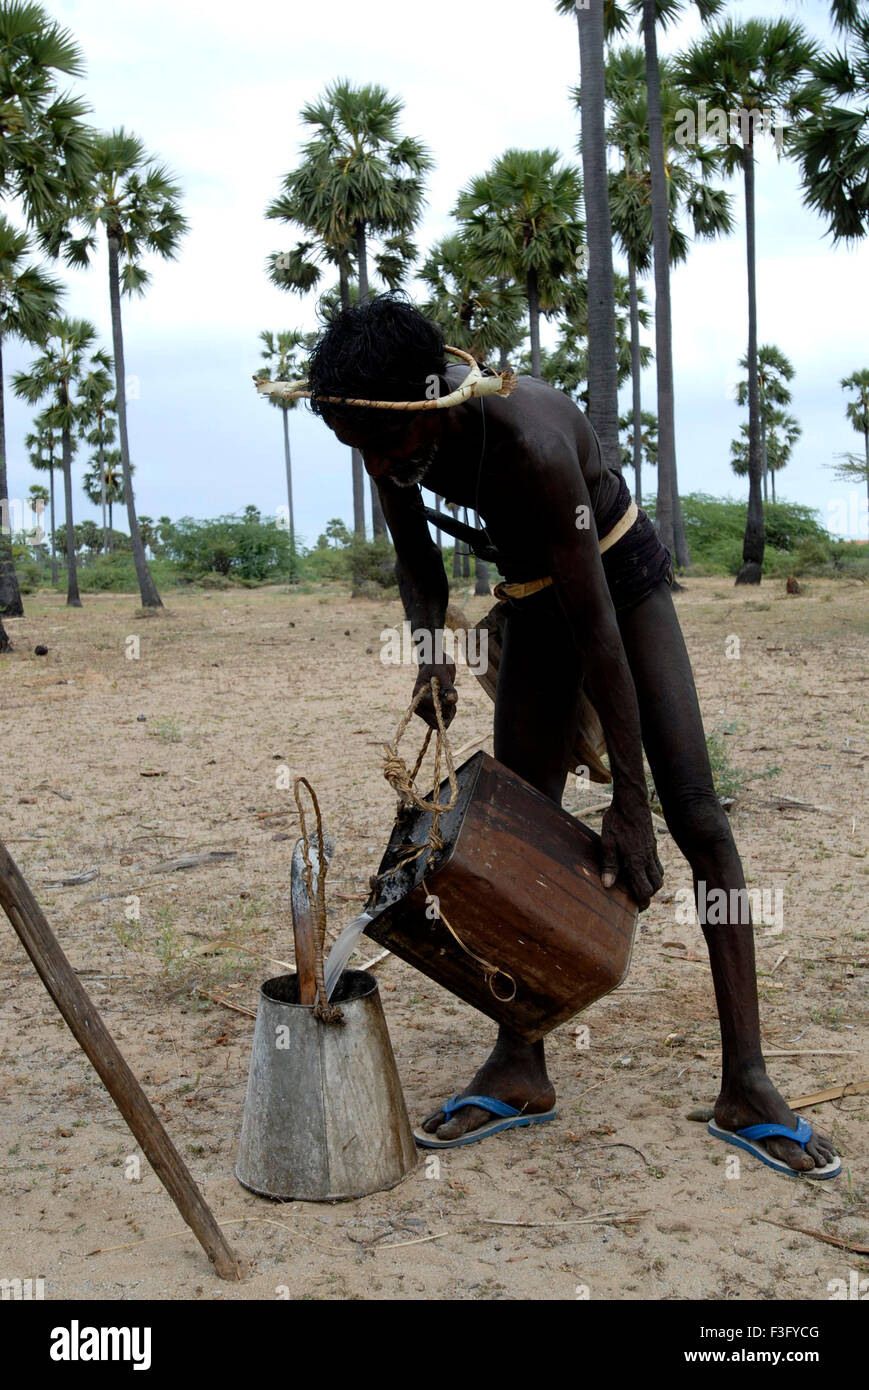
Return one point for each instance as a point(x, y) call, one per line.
point(474, 384)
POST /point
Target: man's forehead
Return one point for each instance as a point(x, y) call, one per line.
point(372, 433)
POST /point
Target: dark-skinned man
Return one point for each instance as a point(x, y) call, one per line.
point(529, 465)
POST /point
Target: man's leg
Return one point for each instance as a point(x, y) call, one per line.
point(675, 746)
point(536, 710)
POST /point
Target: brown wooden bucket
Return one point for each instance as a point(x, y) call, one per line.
point(518, 881)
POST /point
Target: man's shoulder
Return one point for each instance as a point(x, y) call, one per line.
point(545, 423)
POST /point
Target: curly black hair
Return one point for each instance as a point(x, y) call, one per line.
point(385, 350)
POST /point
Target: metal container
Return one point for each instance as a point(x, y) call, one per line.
point(324, 1115)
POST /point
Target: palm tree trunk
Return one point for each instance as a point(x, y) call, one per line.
point(51, 503)
point(772, 483)
point(356, 457)
point(753, 543)
point(534, 321)
point(103, 494)
point(111, 528)
point(362, 262)
point(147, 587)
point(866, 441)
point(637, 408)
point(603, 384)
point(763, 467)
point(72, 594)
point(378, 520)
point(665, 510)
point(289, 467)
point(10, 594)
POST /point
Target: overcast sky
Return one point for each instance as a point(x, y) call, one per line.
point(214, 89)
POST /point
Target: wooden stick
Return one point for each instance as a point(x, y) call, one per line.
point(856, 1247)
point(216, 999)
point(850, 1088)
point(785, 1051)
point(89, 1030)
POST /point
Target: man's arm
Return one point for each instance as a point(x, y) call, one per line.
point(553, 490)
point(423, 586)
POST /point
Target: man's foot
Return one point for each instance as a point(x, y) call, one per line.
point(754, 1100)
point(515, 1073)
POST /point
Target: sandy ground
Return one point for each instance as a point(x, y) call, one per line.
point(237, 685)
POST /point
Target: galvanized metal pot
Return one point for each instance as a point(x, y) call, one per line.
point(324, 1115)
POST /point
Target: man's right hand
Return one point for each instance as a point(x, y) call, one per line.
point(446, 675)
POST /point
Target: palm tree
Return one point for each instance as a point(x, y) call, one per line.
point(103, 483)
point(640, 442)
point(592, 22)
point(668, 512)
point(832, 143)
point(690, 190)
point(566, 367)
point(284, 362)
point(359, 178)
point(300, 270)
point(774, 371)
point(41, 452)
point(45, 146)
point(373, 178)
point(37, 496)
point(136, 201)
point(749, 68)
point(477, 311)
point(98, 423)
point(55, 375)
point(857, 412)
point(782, 432)
point(28, 300)
point(522, 218)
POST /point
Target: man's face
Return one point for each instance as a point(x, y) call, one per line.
point(401, 449)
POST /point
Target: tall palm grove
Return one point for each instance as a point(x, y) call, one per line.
point(557, 261)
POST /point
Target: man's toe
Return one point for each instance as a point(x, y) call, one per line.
point(433, 1122)
point(464, 1120)
point(791, 1153)
point(821, 1150)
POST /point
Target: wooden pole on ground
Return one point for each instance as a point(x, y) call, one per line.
point(91, 1033)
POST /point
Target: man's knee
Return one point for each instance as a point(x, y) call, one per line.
point(698, 823)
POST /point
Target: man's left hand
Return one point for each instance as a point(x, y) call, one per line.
point(630, 852)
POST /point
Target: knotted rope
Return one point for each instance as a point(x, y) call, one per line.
point(328, 1013)
point(404, 782)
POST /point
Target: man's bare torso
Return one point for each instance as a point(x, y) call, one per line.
point(488, 460)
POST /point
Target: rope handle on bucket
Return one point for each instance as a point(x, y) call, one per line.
point(404, 783)
point(328, 1013)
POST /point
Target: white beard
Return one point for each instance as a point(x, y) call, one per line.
point(415, 468)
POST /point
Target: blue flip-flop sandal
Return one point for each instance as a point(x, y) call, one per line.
point(751, 1139)
point(506, 1117)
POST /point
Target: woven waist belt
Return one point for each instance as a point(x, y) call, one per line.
point(621, 528)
